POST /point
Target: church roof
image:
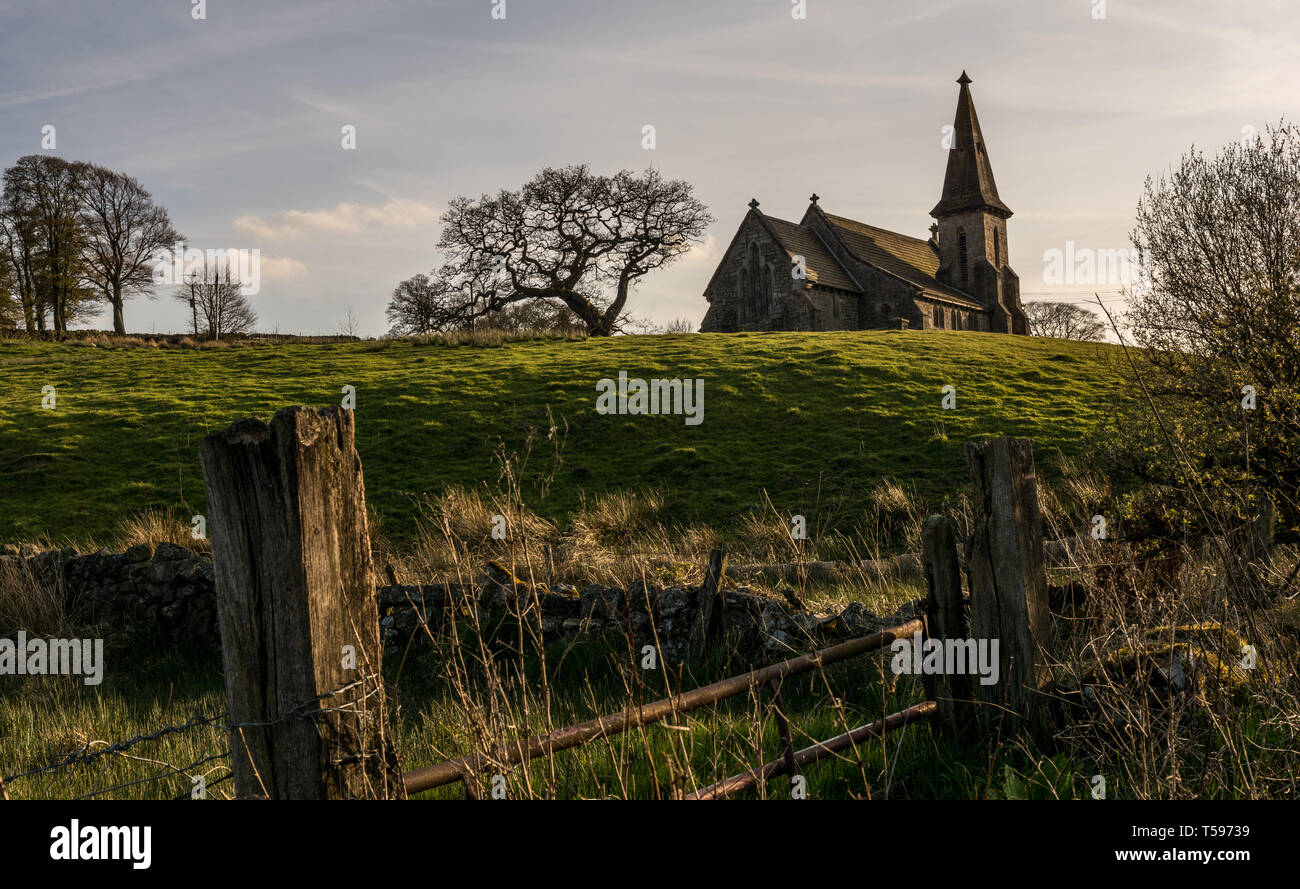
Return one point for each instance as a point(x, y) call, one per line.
point(968, 182)
point(821, 267)
point(913, 260)
point(909, 259)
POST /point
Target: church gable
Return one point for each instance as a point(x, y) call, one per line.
point(748, 279)
point(776, 275)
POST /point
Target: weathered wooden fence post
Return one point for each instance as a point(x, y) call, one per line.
point(295, 604)
point(945, 619)
point(1008, 583)
point(710, 596)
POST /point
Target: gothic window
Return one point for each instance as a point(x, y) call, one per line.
point(765, 297)
point(742, 293)
point(997, 247)
point(884, 310)
point(961, 254)
point(754, 278)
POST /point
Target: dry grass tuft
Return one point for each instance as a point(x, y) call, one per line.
point(155, 526)
point(32, 602)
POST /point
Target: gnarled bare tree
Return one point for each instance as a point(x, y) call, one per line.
point(568, 237)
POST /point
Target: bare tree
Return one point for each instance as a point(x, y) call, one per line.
point(1064, 321)
point(124, 233)
point(45, 234)
point(413, 307)
point(568, 237)
point(218, 307)
point(350, 324)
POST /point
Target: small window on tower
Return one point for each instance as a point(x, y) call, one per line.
point(961, 254)
point(997, 247)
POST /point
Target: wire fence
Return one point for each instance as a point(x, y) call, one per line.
point(307, 709)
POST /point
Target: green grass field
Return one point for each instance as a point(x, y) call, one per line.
point(813, 420)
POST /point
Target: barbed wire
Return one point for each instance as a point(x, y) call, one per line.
point(188, 795)
point(171, 770)
point(303, 710)
point(80, 757)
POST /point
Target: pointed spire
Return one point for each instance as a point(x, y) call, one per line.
point(968, 184)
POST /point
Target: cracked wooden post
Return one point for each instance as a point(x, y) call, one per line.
point(945, 618)
point(296, 609)
point(1008, 583)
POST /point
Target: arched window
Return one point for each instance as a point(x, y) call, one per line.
point(742, 292)
point(754, 278)
point(961, 254)
point(765, 295)
point(997, 248)
point(884, 310)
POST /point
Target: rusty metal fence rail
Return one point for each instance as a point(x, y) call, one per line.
point(466, 768)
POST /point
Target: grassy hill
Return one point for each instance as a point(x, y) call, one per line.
point(815, 420)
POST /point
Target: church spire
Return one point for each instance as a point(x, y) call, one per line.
point(968, 184)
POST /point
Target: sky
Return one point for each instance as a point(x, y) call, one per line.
point(234, 119)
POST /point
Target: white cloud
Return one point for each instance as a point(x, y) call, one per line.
point(282, 268)
point(345, 218)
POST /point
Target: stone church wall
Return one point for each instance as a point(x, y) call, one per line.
point(727, 310)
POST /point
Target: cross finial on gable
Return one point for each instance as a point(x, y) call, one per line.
point(753, 203)
point(814, 197)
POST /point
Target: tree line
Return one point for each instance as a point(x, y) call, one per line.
point(75, 237)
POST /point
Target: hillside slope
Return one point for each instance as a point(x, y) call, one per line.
point(814, 419)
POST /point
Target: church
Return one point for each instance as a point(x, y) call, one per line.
point(828, 272)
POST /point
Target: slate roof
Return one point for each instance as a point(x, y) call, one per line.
point(911, 259)
point(822, 268)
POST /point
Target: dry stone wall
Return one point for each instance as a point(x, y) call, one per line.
point(165, 596)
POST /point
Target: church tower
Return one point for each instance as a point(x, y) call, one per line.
point(972, 225)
